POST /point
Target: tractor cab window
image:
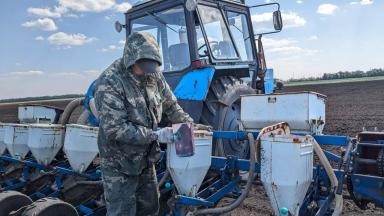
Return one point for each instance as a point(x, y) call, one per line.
point(201, 45)
point(238, 25)
point(169, 29)
point(217, 34)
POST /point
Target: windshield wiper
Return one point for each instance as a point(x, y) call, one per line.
point(158, 19)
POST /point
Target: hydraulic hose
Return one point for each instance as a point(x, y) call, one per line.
point(69, 110)
point(331, 175)
point(92, 106)
point(244, 194)
point(84, 118)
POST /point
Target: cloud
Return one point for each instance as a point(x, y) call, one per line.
point(273, 43)
point(27, 73)
point(290, 50)
point(109, 48)
point(64, 39)
point(362, 2)
point(65, 6)
point(123, 7)
point(47, 12)
point(88, 5)
point(39, 38)
point(45, 24)
point(313, 37)
point(285, 47)
point(290, 20)
point(118, 46)
point(327, 9)
point(73, 15)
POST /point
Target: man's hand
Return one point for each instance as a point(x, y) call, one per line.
point(165, 135)
point(202, 127)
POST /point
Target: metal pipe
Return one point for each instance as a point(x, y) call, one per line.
point(69, 110)
point(244, 193)
point(331, 175)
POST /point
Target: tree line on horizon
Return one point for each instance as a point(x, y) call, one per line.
point(343, 75)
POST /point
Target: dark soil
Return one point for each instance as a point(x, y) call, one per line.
point(350, 106)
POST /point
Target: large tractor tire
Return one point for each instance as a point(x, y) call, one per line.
point(12, 201)
point(50, 207)
point(222, 111)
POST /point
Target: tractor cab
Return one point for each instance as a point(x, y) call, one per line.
point(210, 53)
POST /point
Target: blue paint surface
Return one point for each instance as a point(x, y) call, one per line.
point(195, 84)
point(88, 97)
point(269, 82)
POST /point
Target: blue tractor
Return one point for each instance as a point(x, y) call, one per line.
point(212, 55)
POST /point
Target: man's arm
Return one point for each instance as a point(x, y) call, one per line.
point(113, 116)
point(171, 108)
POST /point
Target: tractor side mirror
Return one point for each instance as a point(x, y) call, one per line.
point(118, 26)
point(277, 20)
point(266, 18)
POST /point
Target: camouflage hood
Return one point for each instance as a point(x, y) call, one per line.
point(141, 46)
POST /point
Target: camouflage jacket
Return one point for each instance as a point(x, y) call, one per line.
point(123, 102)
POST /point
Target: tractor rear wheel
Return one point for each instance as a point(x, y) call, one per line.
point(49, 207)
point(12, 201)
point(222, 111)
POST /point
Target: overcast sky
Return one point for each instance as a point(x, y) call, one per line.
point(53, 47)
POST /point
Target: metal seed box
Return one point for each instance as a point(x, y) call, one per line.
point(303, 111)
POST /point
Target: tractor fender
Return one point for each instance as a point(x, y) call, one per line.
point(194, 85)
point(192, 90)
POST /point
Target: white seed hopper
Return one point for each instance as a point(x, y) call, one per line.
point(16, 139)
point(3, 147)
point(80, 146)
point(286, 170)
point(45, 141)
point(303, 111)
point(188, 172)
point(37, 114)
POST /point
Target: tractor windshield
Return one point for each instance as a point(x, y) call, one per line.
point(169, 29)
point(217, 33)
point(238, 25)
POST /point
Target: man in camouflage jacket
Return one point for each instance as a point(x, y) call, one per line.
point(131, 99)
